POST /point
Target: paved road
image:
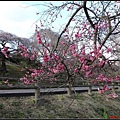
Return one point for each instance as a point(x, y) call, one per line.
point(31, 92)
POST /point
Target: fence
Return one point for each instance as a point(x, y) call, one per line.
point(37, 87)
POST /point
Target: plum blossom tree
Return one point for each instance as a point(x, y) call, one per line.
point(9, 48)
point(89, 44)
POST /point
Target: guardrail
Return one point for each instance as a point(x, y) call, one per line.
point(37, 86)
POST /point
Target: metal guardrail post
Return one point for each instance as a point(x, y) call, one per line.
point(69, 89)
point(37, 93)
point(89, 88)
point(113, 87)
point(119, 86)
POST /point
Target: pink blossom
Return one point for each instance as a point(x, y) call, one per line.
point(55, 71)
point(72, 47)
point(96, 26)
point(82, 48)
point(46, 57)
point(33, 75)
point(100, 91)
point(6, 81)
point(21, 79)
point(100, 77)
point(88, 73)
point(83, 52)
point(85, 25)
point(105, 87)
point(76, 70)
point(56, 57)
point(109, 50)
point(87, 67)
point(75, 54)
point(35, 52)
point(101, 63)
point(39, 38)
point(21, 46)
point(60, 67)
point(113, 95)
point(94, 31)
point(26, 82)
point(32, 57)
point(53, 79)
point(50, 69)
point(107, 99)
point(117, 78)
point(70, 7)
point(81, 59)
point(77, 35)
point(96, 52)
point(63, 43)
point(88, 31)
point(83, 66)
point(9, 85)
point(4, 51)
point(91, 58)
point(22, 69)
point(25, 49)
point(26, 55)
point(64, 52)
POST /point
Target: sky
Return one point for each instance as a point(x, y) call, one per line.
point(17, 19)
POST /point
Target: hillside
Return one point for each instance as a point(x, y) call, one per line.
point(60, 106)
point(13, 70)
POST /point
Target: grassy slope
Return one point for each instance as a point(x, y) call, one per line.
point(57, 106)
point(14, 71)
point(60, 106)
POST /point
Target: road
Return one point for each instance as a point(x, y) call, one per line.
point(46, 91)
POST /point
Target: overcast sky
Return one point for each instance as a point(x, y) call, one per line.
point(16, 19)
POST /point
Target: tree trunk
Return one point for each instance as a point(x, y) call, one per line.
point(3, 64)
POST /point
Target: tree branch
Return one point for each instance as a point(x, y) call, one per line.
point(87, 15)
point(108, 35)
point(67, 26)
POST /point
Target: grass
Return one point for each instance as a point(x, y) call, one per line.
point(79, 105)
point(14, 71)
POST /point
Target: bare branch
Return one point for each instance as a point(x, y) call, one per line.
point(67, 25)
point(108, 35)
point(87, 15)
